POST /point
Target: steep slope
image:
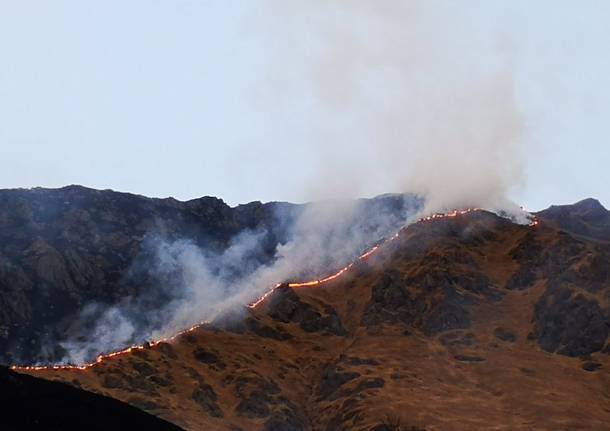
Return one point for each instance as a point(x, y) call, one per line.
point(585, 218)
point(29, 403)
point(461, 323)
point(66, 250)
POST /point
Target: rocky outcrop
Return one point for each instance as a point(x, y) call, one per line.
point(287, 307)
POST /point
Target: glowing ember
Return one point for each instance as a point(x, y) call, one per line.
point(311, 283)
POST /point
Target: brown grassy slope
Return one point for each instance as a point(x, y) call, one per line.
point(441, 330)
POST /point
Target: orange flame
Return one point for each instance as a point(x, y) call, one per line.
point(311, 283)
point(362, 257)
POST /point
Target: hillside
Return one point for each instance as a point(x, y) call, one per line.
point(585, 218)
point(69, 255)
point(462, 323)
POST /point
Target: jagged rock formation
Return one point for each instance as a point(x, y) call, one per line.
point(462, 323)
point(62, 249)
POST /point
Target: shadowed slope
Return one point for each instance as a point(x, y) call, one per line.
point(587, 218)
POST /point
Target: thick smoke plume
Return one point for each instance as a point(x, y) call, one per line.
point(398, 95)
point(394, 95)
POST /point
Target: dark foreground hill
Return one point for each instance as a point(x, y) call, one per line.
point(463, 323)
point(29, 403)
point(64, 250)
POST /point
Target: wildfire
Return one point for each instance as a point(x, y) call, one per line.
point(98, 360)
point(453, 213)
point(101, 358)
point(362, 257)
point(104, 357)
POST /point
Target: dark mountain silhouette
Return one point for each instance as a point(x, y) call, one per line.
point(461, 323)
point(29, 403)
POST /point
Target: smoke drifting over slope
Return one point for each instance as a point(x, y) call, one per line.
point(393, 95)
point(398, 95)
point(191, 283)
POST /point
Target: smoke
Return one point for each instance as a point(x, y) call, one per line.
point(398, 95)
point(187, 284)
point(105, 328)
point(411, 96)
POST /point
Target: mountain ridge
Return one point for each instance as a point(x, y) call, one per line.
point(452, 326)
point(72, 249)
point(587, 217)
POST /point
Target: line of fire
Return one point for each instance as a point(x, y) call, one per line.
point(104, 357)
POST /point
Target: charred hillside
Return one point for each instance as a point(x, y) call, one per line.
point(64, 249)
point(461, 323)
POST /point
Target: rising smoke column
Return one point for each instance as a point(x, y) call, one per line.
point(392, 95)
point(397, 95)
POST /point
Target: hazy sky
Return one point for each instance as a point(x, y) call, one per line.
point(191, 98)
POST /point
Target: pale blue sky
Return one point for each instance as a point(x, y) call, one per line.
point(190, 98)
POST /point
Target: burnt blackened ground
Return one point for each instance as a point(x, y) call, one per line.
point(572, 316)
point(569, 323)
point(286, 306)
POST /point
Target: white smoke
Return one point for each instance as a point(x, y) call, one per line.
point(400, 95)
point(412, 96)
point(197, 284)
point(112, 329)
